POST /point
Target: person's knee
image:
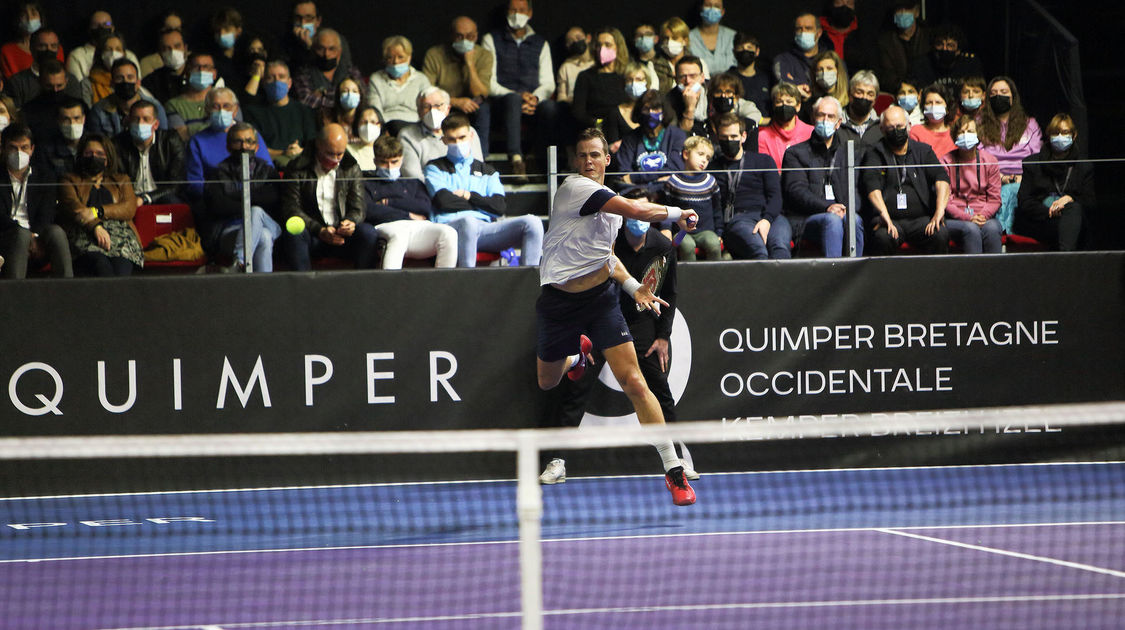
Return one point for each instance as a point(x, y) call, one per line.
point(531, 225)
point(633, 384)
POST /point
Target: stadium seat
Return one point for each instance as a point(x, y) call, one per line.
point(1017, 243)
point(883, 101)
point(155, 220)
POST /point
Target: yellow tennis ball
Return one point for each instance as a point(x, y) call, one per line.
point(295, 225)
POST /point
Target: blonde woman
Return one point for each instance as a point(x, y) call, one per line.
point(599, 90)
point(394, 89)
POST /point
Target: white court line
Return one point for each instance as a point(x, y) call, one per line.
point(1010, 554)
point(1000, 599)
point(571, 478)
point(555, 540)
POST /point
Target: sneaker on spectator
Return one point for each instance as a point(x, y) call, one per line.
point(555, 472)
point(519, 170)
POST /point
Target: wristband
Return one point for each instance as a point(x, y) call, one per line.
point(674, 214)
point(631, 286)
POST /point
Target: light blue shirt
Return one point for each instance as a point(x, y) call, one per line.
point(463, 177)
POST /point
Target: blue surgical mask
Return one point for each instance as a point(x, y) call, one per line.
point(31, 26)
point(222, 119)
point(397, 70)
point(460, 151)
point(904, 20)
point(1061, 142)
point(935, 112)
point(645, 43)
point(711, 15)
point(970, 104)
point(140, 132)
point(825, 129)
point(908, 102)
point(388, 173)
point(201, 79)
point(805, 40)
point(350, 100)
point(276, 90)
point(967, 141)
point(226, 40)
point(636, 89)
point(636, 227)
point(310, 28)
point(463, 46)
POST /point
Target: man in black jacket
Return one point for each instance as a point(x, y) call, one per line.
point(221, 219)
point(28, 233)
point(151, 156)
point(327, 195)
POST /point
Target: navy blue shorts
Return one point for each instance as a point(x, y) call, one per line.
point(561, 317)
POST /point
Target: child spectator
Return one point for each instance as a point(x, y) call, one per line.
point(698, 190)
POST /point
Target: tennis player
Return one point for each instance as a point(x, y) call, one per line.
point(578, 308)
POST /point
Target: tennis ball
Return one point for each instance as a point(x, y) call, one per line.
point(295, 225)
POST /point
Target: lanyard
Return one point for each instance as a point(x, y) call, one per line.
point(1059, 189)
point(18, 197)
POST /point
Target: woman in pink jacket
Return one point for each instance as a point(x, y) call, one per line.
point(974, 180)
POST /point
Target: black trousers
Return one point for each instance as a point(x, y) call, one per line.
point(913, 231)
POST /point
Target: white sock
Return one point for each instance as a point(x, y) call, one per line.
point(667, 452)
point(572, 361)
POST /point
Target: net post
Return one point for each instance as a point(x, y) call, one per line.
point(849, 217)
point(552, 176)
point(247, 223)
point(529, 505)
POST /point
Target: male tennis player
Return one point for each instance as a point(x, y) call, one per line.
point(578, 307)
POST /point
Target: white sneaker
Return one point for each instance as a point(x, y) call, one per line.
point(555, 472)
point(689, 472)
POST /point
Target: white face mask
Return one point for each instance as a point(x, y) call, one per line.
point(110, 56)
point(4, 121)
point(433, 119)
point(673, 47)
point(71, 131)
point(369, 132)
point(518, 20)
point(174, 59)
point(18, 160)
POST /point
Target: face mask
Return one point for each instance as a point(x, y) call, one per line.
point(607, 56)
point(898, 136)
point(110, 56)
point(636, 227)
point(201, 80)
point(730, 148)
point(841, 16)
point(694, 87)
point(369, 132)
point(654, 119)
point(96, 34)
point(433, 119)
point(825, 129)
point(125, 91)
point(459, 151)
point(518, 20)
point(970, 104)
point(222, 119)
point(396, 70)
point(745, 57)
point(388, 173)
point(258, 55)
point(276, 91)
point(89, 165)
point(463, 46)
point(723, 104)
point(140, 132)
point(17, 160)
point(711, 15)
point(1000, 104)
point(349, 100)
point(904, 20)
point(71, 131)
point(174, 59)
point(577, 48)
point(645, 43)
point(967, 141)
point(783, 113)
point(636, 89)
point(4, 122)
point(805, 40)
point(945, 58)
point(30, 26)
point(935, 112)
point(324, 64)
point(826, 79)
point(310, 28)
point(226, 40)
point(1061, 143)
point(673, 47)
point(908, 102)
point(327, 164)
point(861, 107)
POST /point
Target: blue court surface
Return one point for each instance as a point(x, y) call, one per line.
point(1013, 546)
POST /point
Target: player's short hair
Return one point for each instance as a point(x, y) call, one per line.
point(696, 142)
point(455, 120)
point(593, 133)
point(387, 147)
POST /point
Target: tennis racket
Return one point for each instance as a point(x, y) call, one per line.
point(679, 238)
point(653, 277)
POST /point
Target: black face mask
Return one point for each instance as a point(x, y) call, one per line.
point(1000, 104)
point(745, 57)
point(945, 58)
point(125, 91)
point(783, 113)
point(861, 107)
point(898, 136)
point(730, 148)
point(841, 16)
point(43, 56)
point(89, 165)
point(324, 64)
point(257, 56)
point(576, 48)
point(723, 104)
point(97, 34)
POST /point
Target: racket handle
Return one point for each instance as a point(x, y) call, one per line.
point(679, 237)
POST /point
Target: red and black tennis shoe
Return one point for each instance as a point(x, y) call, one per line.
point(682, 494)
point(578, 369)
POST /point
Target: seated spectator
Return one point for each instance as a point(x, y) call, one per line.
point(785, 129)
point(285, 124)
point(945, 64)
point(367, 127)
point(861, 123)
point(907, 190)
point(107, 117)
point(225, 29)
point(208, 147)
point(97, 206)
point(901, 41)
point(841, 27)
point(190, 107)
point(935, 130)
point(400, 209)
point(907, 99)
point(750, 189)
point(169, 80)
point(579, 51)
point(828, 78)
point(9, 113)
point(1057, 191)
point(1008, 132)
point(61, 144)
point(348, 101)
point(39, 113)
point(686, 105)
point(169, 20)
point(23, 86)
point(814, 176)
point(82, 59)
point(18, 55)
point(599, 90)
point(523, 84)
point(222, 220)
point(725, 92)
point(698, 190)
point(151, 155)
point(653, 151)
point(755, 84)
point(297, 43)
point(98, 84)
point(972, 97)
point(394, 89)
point(327, 194)
point(644, 45)
point(975, 197)
point(422, 142)
point(794, 66)
point(469, 197)
point(28, 234)
point(618, 125)
point(464, 70)
point(250, 67)
point(712, 42)
point(675, 44)
point(316, 82)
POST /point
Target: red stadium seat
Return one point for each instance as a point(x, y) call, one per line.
point(155, 220)
point(1017, 243)
point(883, 101)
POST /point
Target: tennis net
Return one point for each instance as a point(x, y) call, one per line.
point(1004, 518)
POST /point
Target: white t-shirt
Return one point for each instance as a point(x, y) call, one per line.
point(580, 238)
